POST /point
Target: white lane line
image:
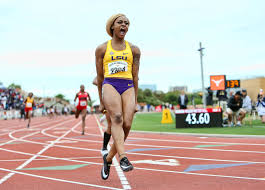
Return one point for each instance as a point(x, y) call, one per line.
point(22, 139)
point(60, 180)
point(195, 173)
point(172, 147)
point(59, 132)
point(203, 142)
point(149, 155)
point(191, 148)
point(19, 125)
point(6, 130)
point(24, 129)
point(37, 124)
point(120, 173)
point(61, 146)
point(50, 157)
point(150, 139)
point(152, 155)
point(156, 170)
point(46, 159)
point(31, 134)
point(202, 174)
point(73, 130)
point(135, 153)
point(88, 134)
point(3, 134)
point(194, 158)
point(85, 162)
point(67, 138)
point(36, 155)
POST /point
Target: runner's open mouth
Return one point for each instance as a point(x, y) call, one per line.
point(122, 31)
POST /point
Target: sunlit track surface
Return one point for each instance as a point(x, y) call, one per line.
point(52, 154)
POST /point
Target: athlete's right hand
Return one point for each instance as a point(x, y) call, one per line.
point(101, 108)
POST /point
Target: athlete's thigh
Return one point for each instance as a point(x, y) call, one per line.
point(83, 112)
point(112, 100)
point(128, 105)
point(77, 112)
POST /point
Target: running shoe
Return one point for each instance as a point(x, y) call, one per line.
point(238, 124)
point(126, 165)
point(28, 126)
point(83, 132)
point(104, 151)
point(230, 124)
point(105, 168)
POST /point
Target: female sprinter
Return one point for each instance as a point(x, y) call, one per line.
point(117, 63)
point(83, 97)
point(29, 103)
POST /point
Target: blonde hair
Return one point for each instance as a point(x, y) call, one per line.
point(111, 21)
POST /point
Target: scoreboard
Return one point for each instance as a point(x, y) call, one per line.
point(219, 82)
point(232, 83)
point(193, 118)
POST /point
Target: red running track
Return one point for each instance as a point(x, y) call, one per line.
point(52, 154)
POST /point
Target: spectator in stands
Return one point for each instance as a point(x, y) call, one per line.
point(261, 105)
point(65, 110)
point(183, 100)
point(22, 111)
point(231, 93)
point(48, 111)
point(235, 109)
point(209, 98)
point(63, 113)
point(222, 99)
point(10, 99)
point(3, 100)
point(5, 115)
point(247, 105)
point(51, 112)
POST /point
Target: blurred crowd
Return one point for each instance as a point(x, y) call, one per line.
point(236, 105)
point(10, 99)
point(12, 106)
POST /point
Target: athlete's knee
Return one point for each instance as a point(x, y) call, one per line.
point(118, 118)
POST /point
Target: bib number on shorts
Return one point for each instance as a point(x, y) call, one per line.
point(117, 66)
point(83, 103)
point(29, 104)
